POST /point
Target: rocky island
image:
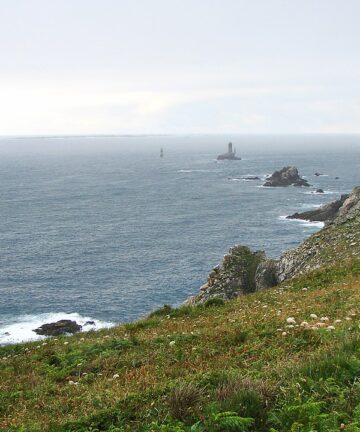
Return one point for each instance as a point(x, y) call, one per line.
point(287, 176)
point(230, 154)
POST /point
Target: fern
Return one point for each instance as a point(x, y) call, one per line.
point(222, 422)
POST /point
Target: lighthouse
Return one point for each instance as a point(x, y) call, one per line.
point(230, 155)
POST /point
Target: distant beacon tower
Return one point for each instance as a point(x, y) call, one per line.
point(230, 147)
point(161, 153)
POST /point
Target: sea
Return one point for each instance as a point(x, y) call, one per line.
point(103, 230)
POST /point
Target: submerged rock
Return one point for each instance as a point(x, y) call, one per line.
point(58, 328)
point(319, 191)
point(251, 178)
point(285, 177)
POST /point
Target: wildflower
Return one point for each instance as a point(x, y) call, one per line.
point(290, 326)
point(321, 324)
point(66, 343)
point(116, 376)
point(82, 339)
point(337, 321)
point(313, 316)
point(73, 382)
point(172, 343)
point(304, 324)
point(291, 320)
point(283, 334)
point(324, 319)
point(331, 328)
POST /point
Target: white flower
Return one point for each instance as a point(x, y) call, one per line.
point(313, 316)
point(73, 383)
point(172, 343)
point(116, 376)
point(283, 334)
point(304, 324)
point(66, 343)
point(291, 320)
point(324, 319)
point(337, 321)
point(331, 328)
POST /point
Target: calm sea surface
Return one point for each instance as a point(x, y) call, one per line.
point(111, 236)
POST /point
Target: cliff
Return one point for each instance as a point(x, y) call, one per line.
point(243, 271)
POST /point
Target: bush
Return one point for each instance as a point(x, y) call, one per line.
point(163, 311)
point(214, 302)
point(183, 400)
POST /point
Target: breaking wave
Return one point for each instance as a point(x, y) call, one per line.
point(20, 329)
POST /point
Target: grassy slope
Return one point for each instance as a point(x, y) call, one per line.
point(174, 365)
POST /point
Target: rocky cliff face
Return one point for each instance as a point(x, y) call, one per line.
point(285, 177)
point(243, 271)
point(338, 241)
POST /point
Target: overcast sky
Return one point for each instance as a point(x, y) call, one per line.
point(179, 66)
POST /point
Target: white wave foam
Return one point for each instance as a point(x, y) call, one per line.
point(20, 329)
point(195, 170)
point(310, 224)
point(326, 192)
point(310, 206)
point(305, 223)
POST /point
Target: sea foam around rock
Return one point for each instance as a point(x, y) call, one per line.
point(20, 329)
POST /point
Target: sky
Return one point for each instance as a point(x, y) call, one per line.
point(179, 66)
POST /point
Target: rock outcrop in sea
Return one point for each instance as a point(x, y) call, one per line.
point(325, 213)
point(285, 177)
point(58, 328)
point(243, 271)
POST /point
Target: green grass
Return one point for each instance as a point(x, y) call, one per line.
point(188, 367)
point(235, 366)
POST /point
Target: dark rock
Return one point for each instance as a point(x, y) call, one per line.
point(337, 178)
point(250, 178)
point(266, 275)
point(89, 323)
point(318, 174)
point(58, 328)
point(285, 177)
point(320, 191)
point(325, 213)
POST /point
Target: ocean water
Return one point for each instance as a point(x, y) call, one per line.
point(109, 236)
